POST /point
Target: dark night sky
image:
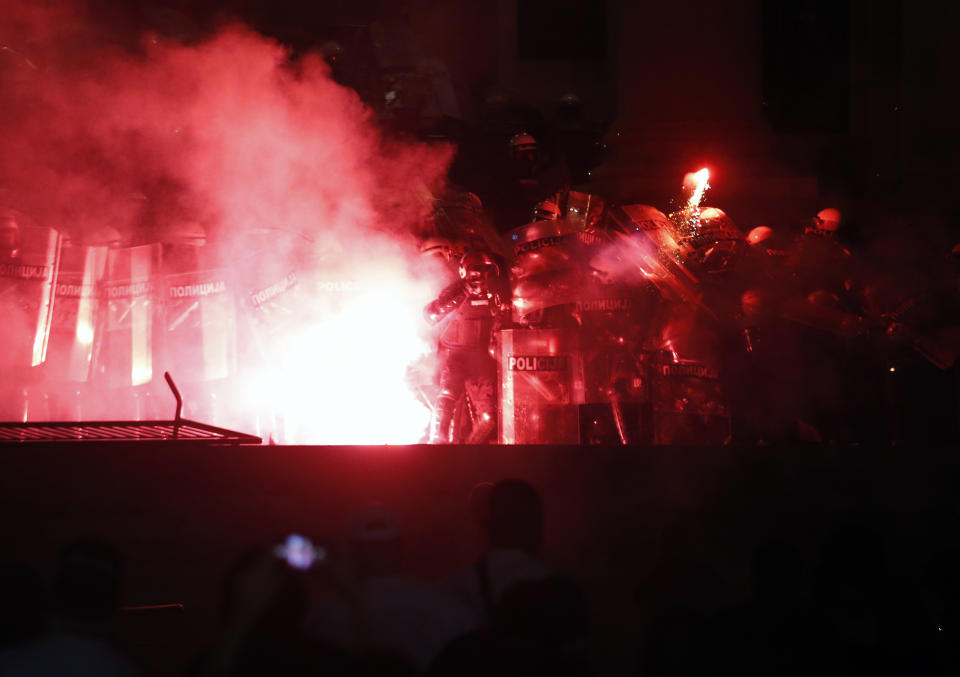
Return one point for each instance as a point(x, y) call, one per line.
point(867, 77)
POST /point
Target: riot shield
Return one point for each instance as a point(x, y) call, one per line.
point(540, 380)
point(546, 262)
point(689, 406)
point(647, 239)
point(268, 285)
point(586, 210)
point(459, 217)
point(199, 318)
point(124, 350)
point(27, 274)
point(616, 323)
point(75, 313)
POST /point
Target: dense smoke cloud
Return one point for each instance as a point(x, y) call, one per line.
point(231, 132)
point(230, 136)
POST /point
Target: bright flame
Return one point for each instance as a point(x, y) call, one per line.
point(84, 334)
point(700, 187)
point(686, 220)
point(342, 378)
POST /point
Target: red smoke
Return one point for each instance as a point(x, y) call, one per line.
point(232, 134)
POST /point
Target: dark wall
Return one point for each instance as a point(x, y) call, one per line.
point(806, 65)
point(636, 526)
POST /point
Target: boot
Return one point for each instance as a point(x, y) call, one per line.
point(440, 422)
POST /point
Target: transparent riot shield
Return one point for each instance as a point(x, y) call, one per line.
point(615, 324)
point(29, 258)
point(648, 240)
point(75, 314)
point(124, 351)
point(540, 379)
point(268, 285)
point(28, 269)
point(689, 406)
point(199, 317)
point(545, 266)
point(585, 210)
point(272, 304)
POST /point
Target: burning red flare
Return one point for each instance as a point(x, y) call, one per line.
point(700, 186)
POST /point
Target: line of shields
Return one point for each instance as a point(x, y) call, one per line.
point(609, 343)
point(605, 345)
point(90, 330)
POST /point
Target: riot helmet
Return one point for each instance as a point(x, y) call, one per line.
point(825, 223)
point(460, 200)
point(715, 226)
point(759, 235)
point(332, 51)
point(476, 269)
point(547, 210)
point(716, 242)
point(523, 143)
point(524, 153)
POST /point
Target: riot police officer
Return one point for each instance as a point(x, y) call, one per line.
point(470, 308)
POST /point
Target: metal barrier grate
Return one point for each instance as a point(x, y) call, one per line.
point(121, 431)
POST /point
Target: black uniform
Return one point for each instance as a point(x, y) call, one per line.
point(467, 365)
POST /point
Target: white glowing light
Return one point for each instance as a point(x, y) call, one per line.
point(84, 334)
point(687, 218)
point(141, 374)
point(342, 377)
point(701, 186)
